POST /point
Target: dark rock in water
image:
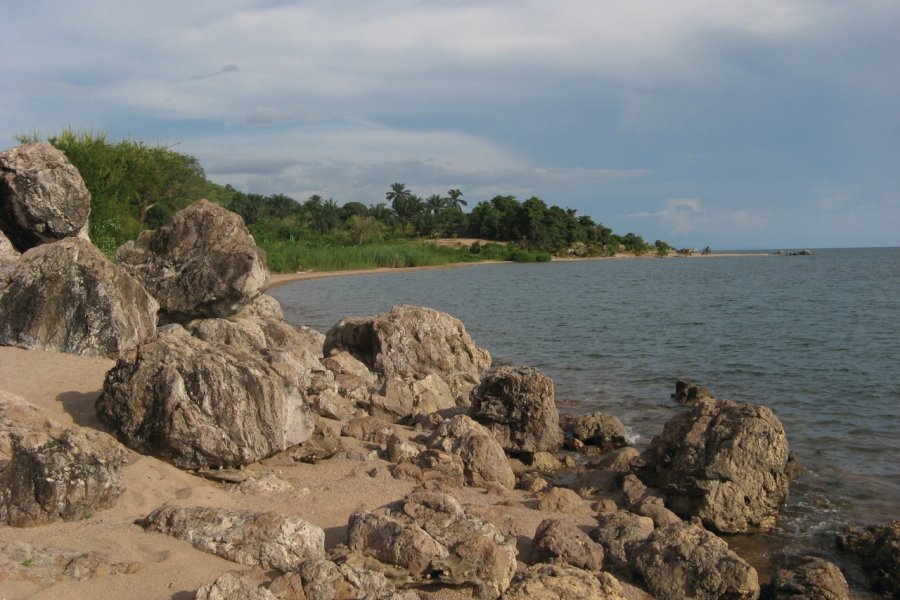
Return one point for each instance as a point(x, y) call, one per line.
point(878, 547)
point(484, 460)
point(616, 529)
point(686, 561)
point(689, 393)
point(724, 462)
point(233, 586)
point(42, 196)
point(604, 431)
point(431, 537)
point(199, 405)
point(555, 540)
point(49, 472)
point(563, 582)
point(67, 297)
point(203, 263)
point(518, 406)
point(263, 539)
point(810, 578)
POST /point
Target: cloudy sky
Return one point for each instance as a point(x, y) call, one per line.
point(753, 124)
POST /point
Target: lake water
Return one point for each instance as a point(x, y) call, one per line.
point(815, 338)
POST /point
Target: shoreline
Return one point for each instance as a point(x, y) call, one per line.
point(279, 279)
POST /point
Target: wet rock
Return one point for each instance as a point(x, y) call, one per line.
point(263, 539)
point(878, 547)
point(200, 405)
point(43, 198)
point(233, 586)
point(616, 529)
point(563, 582)
point(517, 405)
point(561, 500)
point(686, 561)
point(49, 472)
point(430, 535)
point(203, 263)
point(603, 431)
point(555, 540)
point(810, 578)
point(689, 393)
point(724, 462)
point(67, 297)
point(484, 460)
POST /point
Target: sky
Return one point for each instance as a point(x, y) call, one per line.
point(738, 125)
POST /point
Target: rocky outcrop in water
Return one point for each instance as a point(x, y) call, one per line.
point(724, 462)
point(42, 196)
point(203, 263)
point(606, 432)
point(690, 393)
point(67, 297)
point(878, 547)
point(518, 406)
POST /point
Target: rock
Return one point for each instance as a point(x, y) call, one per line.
point(49, 564)
point(555, 540)
point(400, 399)
point(288, 586)
point(203, 263)
point(409, 344)
point(878, 547)
point(563, 582)
point(369, 429)
point(643, 501)
point(7, 250)
point(399, 449)
point(604, 431)
point(66, 297)
point(723, 462)
point(686, 561)
point(436, 541)
point(432, 465)
point(263, 539)
point(810, 578)
point(545, 462)
point(615, 529)
point(532, 482)
point(50, 473)
point(200, 405)
point(322, 444)
point(484, 460)
point(354, 380)
point(617, 461)
point(560, 500)
point(325, 580)
point(42, 196)
point(233, 586)
point(689, 393)
point(518, 406)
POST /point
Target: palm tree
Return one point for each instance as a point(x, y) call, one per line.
point(435, 204)
point(455, 200)
point(398, 192)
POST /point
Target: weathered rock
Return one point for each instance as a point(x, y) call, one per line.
point(7, 250)
point(434, 539)
point(263, 539)
point(203, 263)
point(432, 465)
point(555, 540)
point(369, 429)
point(233, 586)
point(484, 460)
point(618, 461)
point(686, 561)
point(604, 431)
point(66, 297)
point(322, 444)
point(398, 449)
point(689, 393)
point(409, 344)
point(545, 462)
point(810, 578)
point(563, 582)
point(615, 529)
point(354, 379)
point(400, 398)
point(199, 405)
point(723, 462)
point(643, 501)
point(48, 472)
point(518, 406)
point(42, 196)
point(878, 547)
point(49, 564)
point(326, 580)
point(560, 499)
point(532, 482)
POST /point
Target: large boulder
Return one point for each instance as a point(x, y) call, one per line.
point(67, 297)
point(203, 263)
point(483, 458)
point(425, 358)
point(810, 578)
point(597, 429)
point(687, 561)
point(429, 535)
point(563, 582)
point(556, 540)
point(878, 547)
point(198, 404)
point(517, 405)
point(49, 472)
point(724, 462)
point(323, 579)
point(263, 539)
point(616, 529)
point(42, 196)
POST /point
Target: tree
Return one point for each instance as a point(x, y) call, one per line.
point(325, 216)
point(455, 200)
point(435, 204)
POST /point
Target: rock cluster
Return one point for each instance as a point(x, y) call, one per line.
point(878, 547)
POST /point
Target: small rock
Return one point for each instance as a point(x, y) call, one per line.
point(560, 500)
point(563, 582)
point(603, 431)
point(558, 541)
point(878, 547)
point(616, 529)
point(233, 586)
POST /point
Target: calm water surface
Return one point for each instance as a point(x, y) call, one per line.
point(815, 338)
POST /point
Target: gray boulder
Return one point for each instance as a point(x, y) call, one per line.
point(429, 535)
point(483, 458)
point(810, 578)
point(597, 429)
point(616, 529)
point(686, 561)
point(556, 541)
point(517, 405)
point(203, 263)
point(42, 196)
point(263, 539)
point(198, 404)
point(724, 462)
point(878, 548)
point(67, 297)
point(49, 472)
point(563, 582)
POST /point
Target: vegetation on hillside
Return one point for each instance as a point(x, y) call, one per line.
point(136, 186)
